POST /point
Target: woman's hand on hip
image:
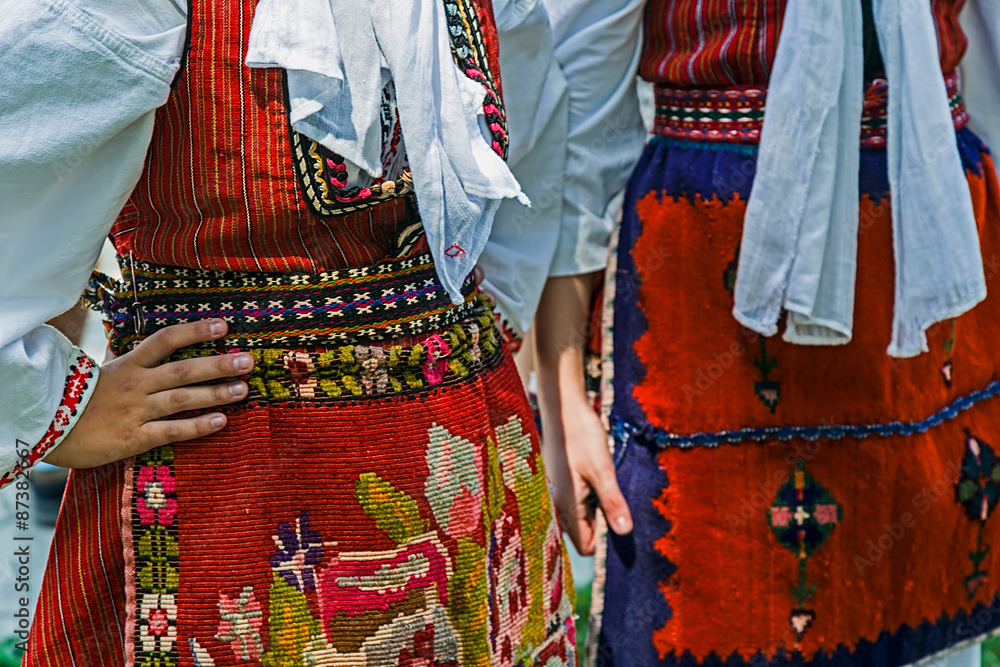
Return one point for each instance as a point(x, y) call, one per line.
point(136, 392)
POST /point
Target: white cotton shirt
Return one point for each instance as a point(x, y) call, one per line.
point(980, 69)
point(79, 81)
point(568, 70)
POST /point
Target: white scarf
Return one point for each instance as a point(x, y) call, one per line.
point(336, 93)
point(800, 236)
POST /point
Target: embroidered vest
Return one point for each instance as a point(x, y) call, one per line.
point(228, 185)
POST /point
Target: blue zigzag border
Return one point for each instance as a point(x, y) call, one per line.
point(906, 646)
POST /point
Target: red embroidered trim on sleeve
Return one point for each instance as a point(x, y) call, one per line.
point(79, 384)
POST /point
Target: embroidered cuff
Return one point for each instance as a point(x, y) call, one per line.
point(81, 378)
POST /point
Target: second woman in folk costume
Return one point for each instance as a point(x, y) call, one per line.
point(815, 480)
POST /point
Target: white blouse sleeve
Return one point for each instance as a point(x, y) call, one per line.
point(981, 69)
point(79, 81)
point(568, 70)
point(523, 240)
point(598, 46)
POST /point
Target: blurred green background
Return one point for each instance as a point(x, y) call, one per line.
point(991, 652)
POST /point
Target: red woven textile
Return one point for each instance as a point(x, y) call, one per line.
point(369, 504)
point(692, 43)
point(226, 184)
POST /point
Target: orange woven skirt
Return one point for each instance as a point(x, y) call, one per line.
point(379, 498)
point(793, 505)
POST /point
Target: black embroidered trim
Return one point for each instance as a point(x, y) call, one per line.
point(348, 306)
point(471, 54)
point(318, 170)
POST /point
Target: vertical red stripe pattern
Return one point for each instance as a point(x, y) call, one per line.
point(219, 190)
point(717, 43)
point(83, 594)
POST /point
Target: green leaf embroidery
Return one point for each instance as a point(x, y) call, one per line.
point(468, 594)
point(394, 511)
point(291, 623)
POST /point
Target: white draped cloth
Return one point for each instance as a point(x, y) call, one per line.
point(338, 62)
point(799, 247)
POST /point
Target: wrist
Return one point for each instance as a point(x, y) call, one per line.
point(574, 403)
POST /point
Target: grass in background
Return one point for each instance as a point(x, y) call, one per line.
point(991, 652)
point(10, 655)
point(583, 621)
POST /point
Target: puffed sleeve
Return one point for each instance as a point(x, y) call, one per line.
point(576, 133)
point(79, 82)
point(598, 47)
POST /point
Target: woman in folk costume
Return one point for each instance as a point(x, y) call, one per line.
point(298, 193)
point(815, 480)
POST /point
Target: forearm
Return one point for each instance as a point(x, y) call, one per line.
point(561, 331)
point(574, 445)
point(47, 384)
point(79, 85)
point(71, 323)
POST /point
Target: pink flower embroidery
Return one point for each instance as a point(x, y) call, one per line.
point(455, 485)
point(437, 358)
point(947, 371)
point(155, 503)
point(465, 514)
point(157, 622)
point(780, 516)
point(825, 514)
point(240, 623)
point(356, 582)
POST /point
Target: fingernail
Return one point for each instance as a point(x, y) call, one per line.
point(218, 421)
point(243, 362)
point(236, 389)
point(621, 525)
point(218, 327)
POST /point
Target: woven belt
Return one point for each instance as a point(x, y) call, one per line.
point(382, 302)
point(736, 114)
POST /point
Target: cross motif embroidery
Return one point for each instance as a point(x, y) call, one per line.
point(802, 517)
